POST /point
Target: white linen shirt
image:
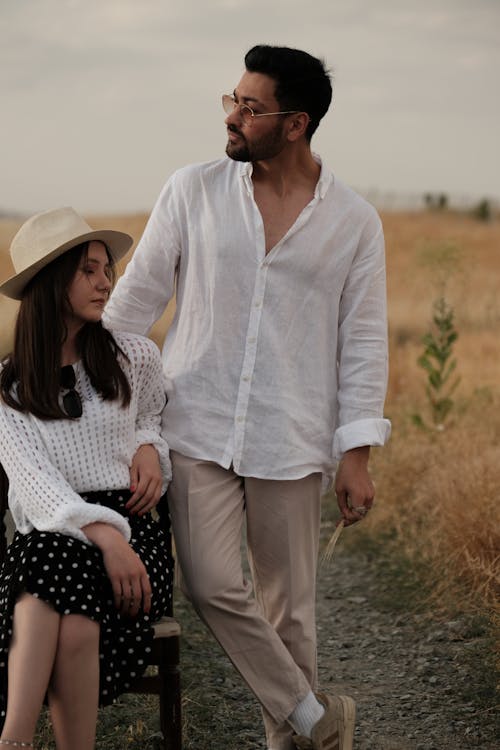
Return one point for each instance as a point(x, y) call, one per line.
point(276, 363)
point(50, 463)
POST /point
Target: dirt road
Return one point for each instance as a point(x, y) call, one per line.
point(410, 675)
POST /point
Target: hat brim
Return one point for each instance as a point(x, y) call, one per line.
point(118, 243)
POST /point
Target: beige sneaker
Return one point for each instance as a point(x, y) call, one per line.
point(335, 729)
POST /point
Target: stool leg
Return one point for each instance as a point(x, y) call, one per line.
point(170, 695)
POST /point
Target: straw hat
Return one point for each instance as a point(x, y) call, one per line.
point(46, 236)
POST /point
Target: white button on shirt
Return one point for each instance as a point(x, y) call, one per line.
point(277, 363)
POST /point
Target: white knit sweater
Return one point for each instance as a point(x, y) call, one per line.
point(51, 462)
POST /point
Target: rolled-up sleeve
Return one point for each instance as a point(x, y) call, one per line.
point(362, 352)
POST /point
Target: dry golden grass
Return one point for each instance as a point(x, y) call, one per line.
point(439, 491)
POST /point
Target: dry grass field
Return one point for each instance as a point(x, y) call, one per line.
point(439, 490)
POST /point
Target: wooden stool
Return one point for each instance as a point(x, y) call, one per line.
point(166, 682)
point(165, 656)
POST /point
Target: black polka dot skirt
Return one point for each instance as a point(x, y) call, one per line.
point(70, 576)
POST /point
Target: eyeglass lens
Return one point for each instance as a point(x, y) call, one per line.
point(72, 402)
point(67, 377)
point(229, 105)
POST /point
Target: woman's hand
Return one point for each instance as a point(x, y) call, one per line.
point(125, 569)
point(145, 480)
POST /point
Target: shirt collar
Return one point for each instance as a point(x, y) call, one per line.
point(325, 176)
point(246, 169)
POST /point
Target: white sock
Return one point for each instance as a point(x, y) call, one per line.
point(306, 714)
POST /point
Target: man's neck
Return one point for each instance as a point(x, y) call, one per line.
point(283, 187)
point(291, 170)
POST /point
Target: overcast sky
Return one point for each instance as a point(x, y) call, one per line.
point(102, 99)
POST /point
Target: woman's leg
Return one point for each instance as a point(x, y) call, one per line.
point(31, 659)
point(74, 685)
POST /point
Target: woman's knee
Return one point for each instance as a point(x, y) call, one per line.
point(77, 635)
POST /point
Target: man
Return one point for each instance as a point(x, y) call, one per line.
point(277, 364)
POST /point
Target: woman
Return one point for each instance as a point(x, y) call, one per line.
point(80, 412)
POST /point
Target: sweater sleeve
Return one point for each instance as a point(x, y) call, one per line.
point(151, 388)
point(39, 495)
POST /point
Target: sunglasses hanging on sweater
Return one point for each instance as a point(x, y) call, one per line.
point(72, 402)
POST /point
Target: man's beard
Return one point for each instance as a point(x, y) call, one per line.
point(267, 147)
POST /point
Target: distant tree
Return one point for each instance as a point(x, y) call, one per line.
point(483, 210)
point(429, 200)
point(443, 202)
point(436, 202)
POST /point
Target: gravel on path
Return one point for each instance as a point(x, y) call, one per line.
point(413, 676)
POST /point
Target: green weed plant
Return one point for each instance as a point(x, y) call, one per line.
point(439, 364)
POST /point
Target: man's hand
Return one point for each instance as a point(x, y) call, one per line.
point(145, 480)
point(353, 485)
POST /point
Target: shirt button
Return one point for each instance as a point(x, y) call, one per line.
point(245, 378)
point(258, 304)
point(240, 419)
point(252, 340)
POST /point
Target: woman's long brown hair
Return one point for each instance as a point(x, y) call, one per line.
point(30, 378)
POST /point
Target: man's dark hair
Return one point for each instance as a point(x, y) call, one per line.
point(302, 81)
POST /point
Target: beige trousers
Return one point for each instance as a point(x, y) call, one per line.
point(271, 636)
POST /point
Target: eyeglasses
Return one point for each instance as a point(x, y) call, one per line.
point(229, 104)
point(71, 400)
